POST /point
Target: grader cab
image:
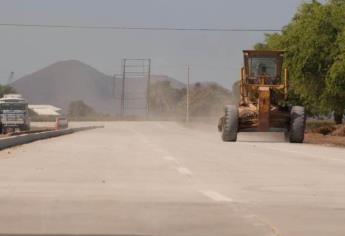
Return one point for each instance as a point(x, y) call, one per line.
point(264, 102)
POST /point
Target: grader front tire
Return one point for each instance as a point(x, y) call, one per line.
point(230, 124)
point(297, 124)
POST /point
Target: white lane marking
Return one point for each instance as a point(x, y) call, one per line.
point(259, 225)
point(184, 171)
point(151, 145)
point(260, 222)
point(170, 158)
point(158, 150)
point(216, 196)
point(146, 141)
point(249, 216)
point(159, 125)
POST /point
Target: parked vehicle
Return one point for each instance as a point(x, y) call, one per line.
point(61, 122)
point(14, 113)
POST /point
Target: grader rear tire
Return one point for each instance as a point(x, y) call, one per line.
point(230, 124)
point(297, 124)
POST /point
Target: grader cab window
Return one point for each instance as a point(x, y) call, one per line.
point(262, 67)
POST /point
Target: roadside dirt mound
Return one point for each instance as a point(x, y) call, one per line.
point(339, 131)
point(333, 130)
point(326, 134)
point(325, 130)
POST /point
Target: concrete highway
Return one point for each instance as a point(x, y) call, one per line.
point(162, 178)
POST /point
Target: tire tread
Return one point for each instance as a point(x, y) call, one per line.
point(230, 124)
point(297, 124)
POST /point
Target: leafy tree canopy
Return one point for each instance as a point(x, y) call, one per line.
point(315, 45)
point(80, 109)
point(6, 89)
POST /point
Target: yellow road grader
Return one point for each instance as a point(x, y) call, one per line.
point(263, 105)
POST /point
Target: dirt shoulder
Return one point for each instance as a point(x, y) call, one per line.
point(326, 134)
point(314, 138)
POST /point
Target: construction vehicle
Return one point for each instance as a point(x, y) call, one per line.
point(264, 104)
point(14, 113)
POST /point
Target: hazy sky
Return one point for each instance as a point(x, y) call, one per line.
point(213, 56)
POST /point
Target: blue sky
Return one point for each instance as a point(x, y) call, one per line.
point(213, 56)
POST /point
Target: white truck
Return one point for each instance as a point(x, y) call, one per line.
point(14, 113)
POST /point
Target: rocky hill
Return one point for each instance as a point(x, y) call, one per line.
point(67, 81)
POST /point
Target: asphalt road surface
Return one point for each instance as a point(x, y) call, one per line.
point(162, 178)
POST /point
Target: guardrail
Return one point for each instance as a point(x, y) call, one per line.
point(32, 137)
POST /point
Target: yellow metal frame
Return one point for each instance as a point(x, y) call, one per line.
point(246, 87)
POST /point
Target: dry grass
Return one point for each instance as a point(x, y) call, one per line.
point(314, 138)
point(339, 131)
point(325, 133)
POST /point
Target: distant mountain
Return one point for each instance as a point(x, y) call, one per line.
point(66, 81)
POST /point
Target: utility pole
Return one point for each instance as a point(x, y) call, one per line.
point(123, 88)
point(188, 93)
point(148, 88)
point(10, 78)
point(114, 86)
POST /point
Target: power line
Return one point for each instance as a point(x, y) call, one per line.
point(109, 27)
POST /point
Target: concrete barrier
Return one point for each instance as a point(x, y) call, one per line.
point(28, 138)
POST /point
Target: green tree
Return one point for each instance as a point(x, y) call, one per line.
point(315, 45)
point(80, 109)
point(6, 89)
point(334, 95)
point(206, 99)
point(164, 98)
